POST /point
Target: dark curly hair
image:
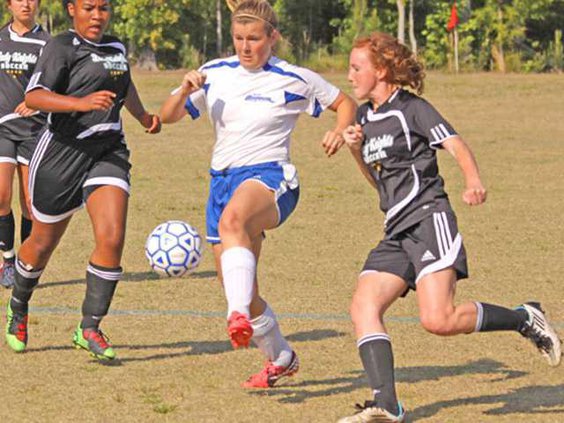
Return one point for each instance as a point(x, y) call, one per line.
point(386, 52)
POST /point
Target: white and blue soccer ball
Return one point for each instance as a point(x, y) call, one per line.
point(174, 248)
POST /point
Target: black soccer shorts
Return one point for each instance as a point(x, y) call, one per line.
point(432, 245)
point(63, 173)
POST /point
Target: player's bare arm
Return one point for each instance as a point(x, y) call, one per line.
point(475, 193)
point(173, 108)
point(51, 102)
point(345, 107)
point(134, 105)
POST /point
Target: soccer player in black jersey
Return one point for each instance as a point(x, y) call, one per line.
point(21, 41)
point(82, 79)
point(394, 143)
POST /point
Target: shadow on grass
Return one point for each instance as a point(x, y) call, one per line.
point(129, 277)
point(298, 393)
point(527, 400)
point(215, 347)
point(188, 348)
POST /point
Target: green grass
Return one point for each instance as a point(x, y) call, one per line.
point(181, 368)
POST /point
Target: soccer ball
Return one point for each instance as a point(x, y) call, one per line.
point(174, 248)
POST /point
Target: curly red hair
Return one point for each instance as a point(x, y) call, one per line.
point(401, 65)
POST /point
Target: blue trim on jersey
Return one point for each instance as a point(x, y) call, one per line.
point(317, 110)
point(275, 69)
point(290, 97)
point(192, 110)
point(206, 87)
point(221, 64)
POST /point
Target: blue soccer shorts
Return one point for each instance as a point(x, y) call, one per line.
point(280, 178)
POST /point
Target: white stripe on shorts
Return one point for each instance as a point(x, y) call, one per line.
point(33, 165)
point(107, 180)
point(446, 261)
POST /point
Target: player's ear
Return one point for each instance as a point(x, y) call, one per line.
point(70, 9)
point(381, 73)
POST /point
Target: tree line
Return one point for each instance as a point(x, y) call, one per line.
point(493, 35)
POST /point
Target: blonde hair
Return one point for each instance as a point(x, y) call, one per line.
point(245, 11)
point(401, 65)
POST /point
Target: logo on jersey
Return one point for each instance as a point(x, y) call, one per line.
point(259, 98)
point(116, 64)
point(17, 62)
point(375, 148)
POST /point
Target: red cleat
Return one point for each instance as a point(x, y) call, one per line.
point(239, 329)
point(272, 374)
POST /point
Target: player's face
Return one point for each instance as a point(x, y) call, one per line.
point(252, 44)
point(23, 10)
point(362, 74)
point(90, 18)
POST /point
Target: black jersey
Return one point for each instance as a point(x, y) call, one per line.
point(401, 138)
point(73, 66)
point(18, 57)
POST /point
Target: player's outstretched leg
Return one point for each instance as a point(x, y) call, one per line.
point(541, 333)
point(101, 284)
point(282, 361)
point(238, 266)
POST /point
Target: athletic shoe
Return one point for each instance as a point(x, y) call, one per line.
point(541, 334)
point(370, 413)
point(95, 342)
point(16, 330)
point(272, 373)
point(8, 274)
point(239, 329)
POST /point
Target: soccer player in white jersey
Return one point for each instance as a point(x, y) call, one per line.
point(254, 100)
point(394, 142)
point(21, 41)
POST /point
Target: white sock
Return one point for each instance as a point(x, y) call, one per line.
point(238, 266)
point(269, 339)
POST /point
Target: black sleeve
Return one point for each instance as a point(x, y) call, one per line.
point(53, 67)
point(430, 124)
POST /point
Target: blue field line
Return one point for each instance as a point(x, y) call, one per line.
point(322, 317)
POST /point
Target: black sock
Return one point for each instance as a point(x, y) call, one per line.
point(378, 361)
point(7, 227)
point(101, 284)
point(492, 318)
point(25, 228)
point(26, 279)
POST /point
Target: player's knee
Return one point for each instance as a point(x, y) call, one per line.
point(43, 245)
point(437, 324)
point(230, 223)
point(362, 308)
point(110, 238)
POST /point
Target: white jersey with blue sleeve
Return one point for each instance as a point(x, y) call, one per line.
point(254, 112)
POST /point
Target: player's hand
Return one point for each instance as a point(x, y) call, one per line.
point(192, 81)
point(152, 123)
point(24, 111)
point(100, 100)
point(474, 194)
point(332, 142)
point(353, 136)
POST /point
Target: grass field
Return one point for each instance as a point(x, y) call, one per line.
point(176, 364)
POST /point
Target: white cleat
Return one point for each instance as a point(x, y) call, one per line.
point(369, 413)
point(541, 334)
